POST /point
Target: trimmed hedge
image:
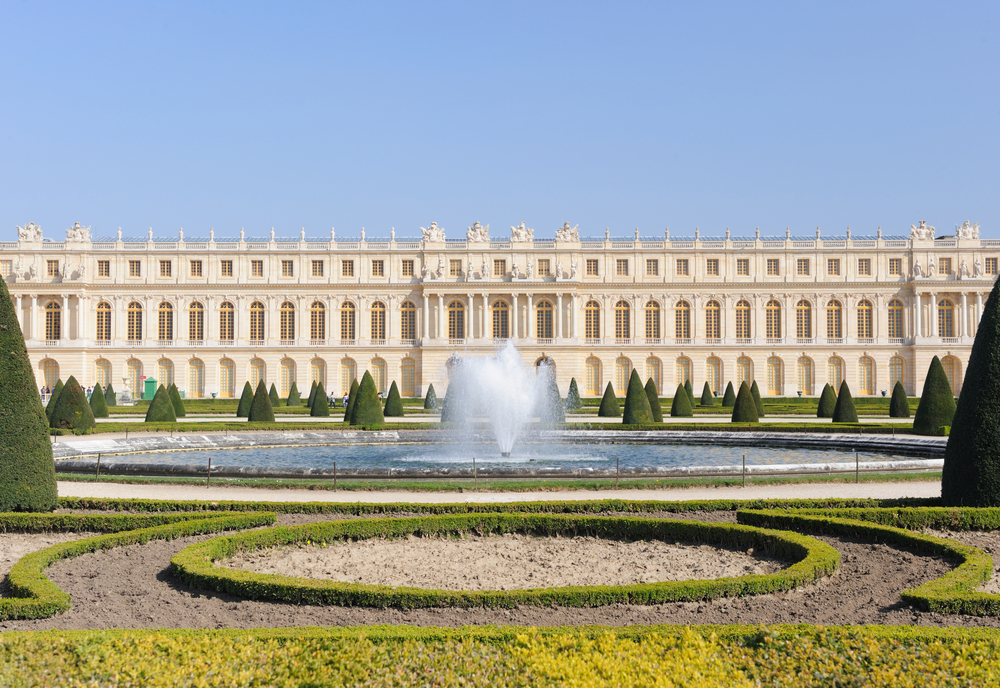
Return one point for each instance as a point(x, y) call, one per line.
point(745, 410)
point(430, 399)
point(844, 411)
point(110, 396)
point(260, 407)
point(755, 393)
point(393, 403)
point(690, 391)
point(272, 394)
point(937, 403)
point(609, 404)
point(707, 398)
point(293, 398)
point(368, 410)
point(161, 409)
point(312, 393)
point(573, 402)
point(175, 399)
point(899, 405)
point(195, 564)
point(681, 406)
point(320, 407)
point(654, 401)
point(246, 400)
point(827, 402)
point(551, 408)
point(352, 399)
point(53, 398)
point(72, 410)
point(637, 411)
point(98, 404)
point(729, 398)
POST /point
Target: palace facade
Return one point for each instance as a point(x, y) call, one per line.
point(209, 313)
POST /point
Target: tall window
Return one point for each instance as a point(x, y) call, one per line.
point(834, 320)
point(317, 372)
point(256, 268)
point(865, 319)
point(317, 268)
point(652, 320)
point(348, 331)
point(134, 374)
point(287, 322)
point(593, 368)
point(835, 372)
point(682, 320)
point(946, 318)
point(592, 320)
point(950, 364)
point(802, 267)
point(347, 268)
point(713, 374)
point(456, 320)
point(621, 267)
point(455, 267)
point(866, 375)
point(104, 268)
point(135, 322)
point(196, 322)
point(165, 322)
point(287, 268)
point(196, 379)
point(896, 371)
point(286, 377)
point(713, 320)
point(743, 320)
point(833, 266)
point(743, 267)
point(407, 267)
point(50, 372)
point(348, 374)
point(501, 320)
point(712, 267)
point(499, 267)
point(592, 267)
point(258, 372)
point(623, 370)
point(379, 376)
point(408, 377)
point(772, 267)
point(256, 322)
point(543, 320)
point(165, 372)
point(378, 268)
point(102, 368)
point(805, 375)
point(653, 371)
point(317, 321)
point(803, 320)
point(53, 321)
point(166, 268)
point(744, 371)
point(652, 267)
point(227, 378)
point(774, 376)
point(226, 268)
point(408, 321)
point(865, 267)
point(682, 370)
point(103, 332)
point(227, 318)
point(772, 319)
point(623, 320)
point(896, 266)
point(682, 267)
point(896, 319)
point(378, 322)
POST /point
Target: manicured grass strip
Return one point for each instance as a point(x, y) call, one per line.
point(195, 564)
point(952, 593)
point(34, 596)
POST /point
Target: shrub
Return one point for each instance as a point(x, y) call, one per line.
point(293, 396)
point(430, 399)
point(161, 409)
point(72, 410)
point(844, 411)
point(573, 402)
point(827, 402)
point(98, 404)
point(175, 399)
point(654, 401)
point(707, 398)
point(260, 407)
point(368, 410)
point(320, 407)
point(393, 404)
point(681, 408)
point(312, 394)
point(937, 403)
point(53, 399)
point(110, 396)
point(729, 398)
point(690, 391)
point(243, 410)
point(637, 411)
point(272, 395)
point(899, 405)
point(745, 410)
point(551, 410)
point(755, 393)
point(352, 397)
point(609, 404)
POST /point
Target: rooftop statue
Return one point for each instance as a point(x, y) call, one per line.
point(433, 233)
point(968, 231)
point(78, 233)
point(521, 233)
point(567, 233)
point(30, 232)
point(921, 231)
point(477, 233)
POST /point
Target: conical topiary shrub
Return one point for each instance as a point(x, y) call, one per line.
point(53, 399)
point(899, 405)
point(312, 393)
point(654, 401)
point(729, 398)
point(321, 405)
point(368, 410)
point(827, 402)
point(937, 403)
point(690, 390)
point(273, 396)
point(744, 410)
point(161, 409)
point(573, 403)
point(755, 393)
point(293, 398)
point(393, 403)
point(98, 404)
point(430, 399)
point(551, 408)
point(637, 410)
point(175, 399)
point(110, 396)
point(707, 398)
point(72, 411)
point(844, 411)
point(246, 400)
point(681, 407)
point(609, 404)
point(260, 407)
point(352, 397)
point(27, 472)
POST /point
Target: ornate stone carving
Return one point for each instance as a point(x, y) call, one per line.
point(78, 233)
point(978, 267)
point(440, 269)
point(528, 269)
point(567, 233)
point(917, 270)
point(921, 231)
point(930, 267)
point(477, 233)
point(967, 231)
point(559, 269)
point(963, 269)
point(485, 266)
point(30, 232)
point(572, 273)
point(433, 233)
point(521, 234)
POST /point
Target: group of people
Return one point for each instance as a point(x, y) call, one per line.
point(347, 398)
point(45, 391)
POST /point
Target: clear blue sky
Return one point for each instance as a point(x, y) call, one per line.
point(741, 114)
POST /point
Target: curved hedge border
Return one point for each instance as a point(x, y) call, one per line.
point(910, 518)
point(34, 596)
point(90, 523)
point(952, 593)
point(195, 564)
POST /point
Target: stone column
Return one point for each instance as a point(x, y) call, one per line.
point(441, 317)
point(527, 319)
point(934, 316)
point(470, 322)
point(20, 318)
point(64, 317)
point(32, 317)
point(82, 308)
point(483, 315)
point(572, 315)
point(559, 316)
point(916, 317)
point(979, 310)
point(513, 316)
point(425, 317)
point(965, 316)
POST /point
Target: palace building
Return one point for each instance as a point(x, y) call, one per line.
point(792, 312)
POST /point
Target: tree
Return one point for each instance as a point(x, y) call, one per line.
point(681, 407)
point(609, 404)
point(937, 403)
point(755, 393)
point(260, 407)
point(161, 409)
point(175, 399)
point(109, 395)
point(827, 402)
point(352, 397)
point(53, 398)
point(72, 411)
point(430, 399)
point(393, 403)
point(293, 396)
point(573, 402)
point(312, 393)
point(551, 408)
point(637, 411)
point(844, 411)
point(98, 404)
point(707, 398)
point(729, 398)
point(246, 400)
point(654, 401)
point(368, 410)
point(899, 405)
point(27, 472)
point(745, 410)
point(690, 390)
point(273, 396)
point(320, 407)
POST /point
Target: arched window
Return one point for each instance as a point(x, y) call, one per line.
point(227, 318)
point(196, 379)
point(835, 372)
point(743, 320)
point(834, 320)
point(348, 374)
point(286, 324)
point(543, 320)
point(501, 320)
point(897, 370)
point(103, 330)
point(682, 320)
point(951, 371)
point(378, 322)
point(866, 375)
point(408, 320)
point(456, 320)
point(592, 320)
point(227, 378)
point(256, 323)
point(774, 376)
point(805, 375)
point(653, 371)
point(593, 367)
point(317, 372)
point(744, 371)
point(623, 370)
point(165, 322)
point(317, 322)
point(50, 372)
point(258, 372)
point(165, 372)
point(196, 323)
point(946, 318)
point(803, 320)
point(408, 377)
point(377, 368)
point(287, 377)
point(865, 319)
point(652, 320)
point(713, 320)
point(772, 319)
point(102, 367)
point(348, 331)
point(53, 321)
point(896, 319)
point(135, 322)
point(134, 368)
point(623, 320)
point(682, 370)
point(713, 374)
